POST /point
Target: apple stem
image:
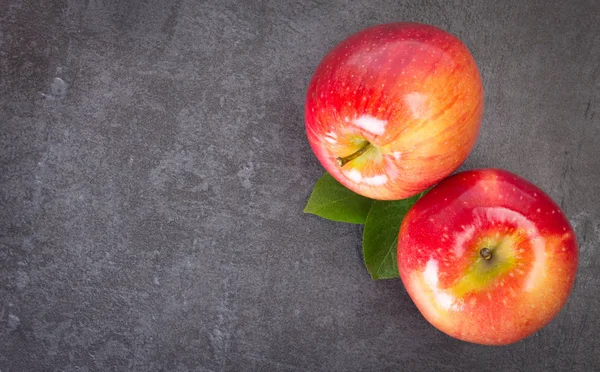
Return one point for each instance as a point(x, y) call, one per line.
point(486, 253)
point(342, 161)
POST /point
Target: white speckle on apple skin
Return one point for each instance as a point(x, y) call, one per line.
point(444, 299)
point(354, 175)
point(376, 180)
point(371, 124)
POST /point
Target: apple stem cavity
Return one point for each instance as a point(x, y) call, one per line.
point(486, 253)
point(342, 161)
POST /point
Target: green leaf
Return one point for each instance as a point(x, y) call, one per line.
point(331, 200)
point(380, 236)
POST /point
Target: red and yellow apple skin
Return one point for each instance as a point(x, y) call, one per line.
point(487, 257)
point(394, 109)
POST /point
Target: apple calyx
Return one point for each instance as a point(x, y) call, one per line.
point(341, 161)
point(486, 253)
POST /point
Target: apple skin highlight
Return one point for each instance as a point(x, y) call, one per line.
point(513, 293)
point(406, 97)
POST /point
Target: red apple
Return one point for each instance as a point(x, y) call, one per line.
point(487, 257)
point(394, 109)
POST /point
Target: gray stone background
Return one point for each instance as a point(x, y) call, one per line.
point(154, 168)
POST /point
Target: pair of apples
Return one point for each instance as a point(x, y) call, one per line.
point(486, 256)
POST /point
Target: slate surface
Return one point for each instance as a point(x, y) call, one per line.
point(154, 167)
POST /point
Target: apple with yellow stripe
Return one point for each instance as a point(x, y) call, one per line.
point(394, 109)
point(487, 257)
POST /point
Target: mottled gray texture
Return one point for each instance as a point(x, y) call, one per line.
point(154, 168)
